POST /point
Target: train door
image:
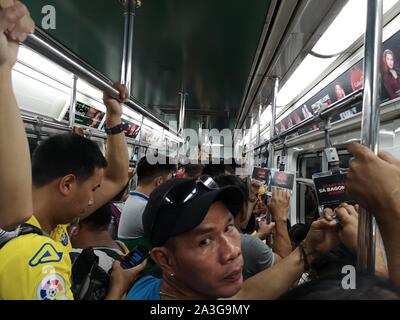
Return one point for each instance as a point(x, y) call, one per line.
point(306, 201)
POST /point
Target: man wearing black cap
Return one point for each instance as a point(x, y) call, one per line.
point(191, 226)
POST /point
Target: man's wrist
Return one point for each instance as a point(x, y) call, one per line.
point(5, 73)
point(112, 120)
point(310, 252)
point(279, 219)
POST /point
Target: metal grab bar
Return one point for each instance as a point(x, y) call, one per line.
point(48, 47)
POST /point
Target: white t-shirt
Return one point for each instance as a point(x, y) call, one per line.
point(131, 225)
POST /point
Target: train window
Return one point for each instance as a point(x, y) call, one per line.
point(309, 164)
point(344, 160)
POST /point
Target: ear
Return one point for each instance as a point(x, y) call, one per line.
point(158, 181)
point(164, 259)
point(67, 184)
point(243, 213)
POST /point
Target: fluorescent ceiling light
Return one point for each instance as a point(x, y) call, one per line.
point(44, 65)
point(307, 72)
point(217, 145)
point(254, 130)
point(152, 125)
point(87, 89)
point(348, 26)
point(132, 114)
point(28, 71)
point(266, 117)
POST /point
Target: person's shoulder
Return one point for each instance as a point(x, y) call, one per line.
point(254, 243)
point(32, 248)
point(29, 264)
point(251, 239)
point(145, 288)
point(135, 200)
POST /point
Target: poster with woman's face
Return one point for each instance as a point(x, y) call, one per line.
point(390, 68)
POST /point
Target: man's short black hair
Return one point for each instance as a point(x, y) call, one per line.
point(147, 172)
point(193, 170)
point(100, 219)
point(224, 181)
point(65, 154)
point(214, 170)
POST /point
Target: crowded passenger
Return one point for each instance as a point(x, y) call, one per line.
point(14, 150)
point(149, 177)
point(71, 179)
point(93, 255)
point(258, 256)
point(93, 231)
point(374, 183)
point(200, 254)
point(193, 171)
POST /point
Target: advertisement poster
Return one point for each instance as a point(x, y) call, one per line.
point(132, 131)
point(86, 115)
point(331, 190)
point(282, 180)
point(349, 82)
point(262, 174)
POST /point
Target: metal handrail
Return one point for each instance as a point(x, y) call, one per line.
point(51, 49)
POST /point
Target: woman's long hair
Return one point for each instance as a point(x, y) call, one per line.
point(384, 64)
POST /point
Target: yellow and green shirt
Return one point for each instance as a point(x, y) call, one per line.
point(36, 267)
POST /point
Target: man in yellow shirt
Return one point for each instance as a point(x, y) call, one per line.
point(71, 179)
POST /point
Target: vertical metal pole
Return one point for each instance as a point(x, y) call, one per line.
point(184, 110)
point(370, 126)
point(272, 126)
point(72, 107)
point(141, 130)
point(180, 119)
point(127, 58)
point(259, 125)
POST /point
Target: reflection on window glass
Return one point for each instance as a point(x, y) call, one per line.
point(313, 165)
point(344, 160)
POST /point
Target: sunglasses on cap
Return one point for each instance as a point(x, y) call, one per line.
point(185, 192)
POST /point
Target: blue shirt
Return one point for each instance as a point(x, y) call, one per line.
point(146, 288)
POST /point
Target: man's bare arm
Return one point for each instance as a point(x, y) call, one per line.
point(116, 173)
point(15, 168)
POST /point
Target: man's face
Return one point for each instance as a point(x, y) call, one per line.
point(82, 197)
point(208, 259)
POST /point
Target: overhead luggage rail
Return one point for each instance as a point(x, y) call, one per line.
point(324, 114)
point(48, 47)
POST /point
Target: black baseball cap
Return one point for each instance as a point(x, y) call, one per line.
point(162, 222)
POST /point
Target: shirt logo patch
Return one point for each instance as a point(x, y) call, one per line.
point(52, 287)
point(47, 253)
point(64, 239)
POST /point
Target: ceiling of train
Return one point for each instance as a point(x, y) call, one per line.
point(205, 47)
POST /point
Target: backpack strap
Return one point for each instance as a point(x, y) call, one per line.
point(82, 267)
point(25, 229)
point(111, 253)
